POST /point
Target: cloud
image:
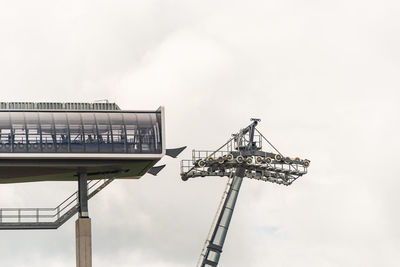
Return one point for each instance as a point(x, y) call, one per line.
point(321, 76)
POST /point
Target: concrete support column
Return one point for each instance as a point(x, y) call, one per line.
point(83, 229)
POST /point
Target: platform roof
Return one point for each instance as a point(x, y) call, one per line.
point(58, 106)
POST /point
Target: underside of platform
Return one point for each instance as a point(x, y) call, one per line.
point(34, 170)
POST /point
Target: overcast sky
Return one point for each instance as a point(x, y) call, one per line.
point(323, 77)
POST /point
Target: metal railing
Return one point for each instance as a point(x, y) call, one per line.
point(48, 217)
point(58, 106)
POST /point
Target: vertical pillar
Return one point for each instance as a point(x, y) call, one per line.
point(83, 242)
point(83, 226)
point(83, 195)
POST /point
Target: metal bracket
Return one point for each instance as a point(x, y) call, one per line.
point(174, 152)
point(155, 170)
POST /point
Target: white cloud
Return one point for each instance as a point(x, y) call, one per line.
point(322, 77)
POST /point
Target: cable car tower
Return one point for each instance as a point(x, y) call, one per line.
point(240, 157)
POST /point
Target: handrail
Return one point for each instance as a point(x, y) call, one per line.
point(21, 218)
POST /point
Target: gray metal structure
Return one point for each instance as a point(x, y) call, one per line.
point(49, 218)
point(58, 106)
point(240, 157)
point(54, 141)
point(90, 143)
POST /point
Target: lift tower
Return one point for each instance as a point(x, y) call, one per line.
point(240, 157)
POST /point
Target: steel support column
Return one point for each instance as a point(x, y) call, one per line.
point(83, 226)
point(214, 248)
point(83, 195)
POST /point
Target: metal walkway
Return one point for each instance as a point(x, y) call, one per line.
point(47, 218)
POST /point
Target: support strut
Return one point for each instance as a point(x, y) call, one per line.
point(83, 195)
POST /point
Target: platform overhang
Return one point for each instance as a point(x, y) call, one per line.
point(54, 145)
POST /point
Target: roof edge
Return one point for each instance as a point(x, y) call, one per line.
point(58, 106)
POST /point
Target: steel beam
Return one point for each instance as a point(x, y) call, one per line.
point(83, 195)
point(214, 248)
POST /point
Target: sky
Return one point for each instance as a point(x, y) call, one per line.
point(323, 77)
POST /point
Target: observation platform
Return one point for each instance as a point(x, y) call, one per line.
point(55, 141)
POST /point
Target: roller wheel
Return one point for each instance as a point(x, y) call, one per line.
point(259, 160)
point(249, 160)
point(208, 159)
point(239, 159)
point(229, 157)
point(201, 164)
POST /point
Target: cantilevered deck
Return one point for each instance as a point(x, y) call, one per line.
point(54, 141)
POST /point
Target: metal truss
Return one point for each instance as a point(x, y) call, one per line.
point(241, 156)
point(260, 165)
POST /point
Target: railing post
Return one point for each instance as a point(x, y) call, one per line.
point(1, 215)
point(37, 215)
point(19, 215)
